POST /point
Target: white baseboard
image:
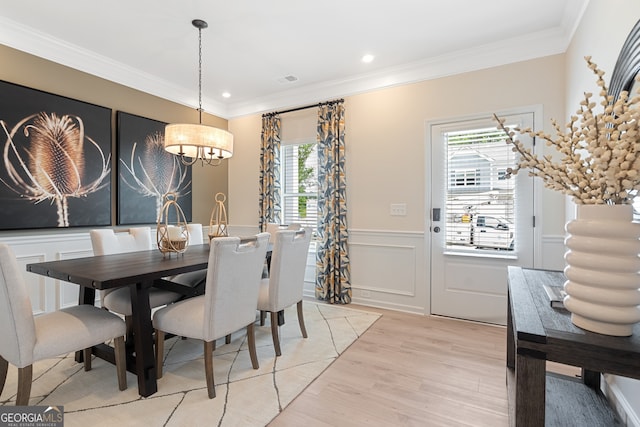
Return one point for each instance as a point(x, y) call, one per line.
point(619, 402)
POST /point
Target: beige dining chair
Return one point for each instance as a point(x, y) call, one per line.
point(284, 286)
point(193, 279)
point(106, 241)
point(25, 339)
point(273, 227)
point(228, 304)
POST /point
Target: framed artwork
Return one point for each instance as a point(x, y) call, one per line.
point(56, 160)
point(146, 172)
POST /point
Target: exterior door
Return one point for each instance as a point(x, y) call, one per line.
point(481, 220)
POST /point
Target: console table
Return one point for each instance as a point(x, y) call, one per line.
point(536, 332)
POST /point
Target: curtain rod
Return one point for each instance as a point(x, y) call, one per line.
point(319, 104)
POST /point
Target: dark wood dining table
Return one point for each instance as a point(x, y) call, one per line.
point(138, 271)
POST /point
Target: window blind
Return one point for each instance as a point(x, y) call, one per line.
point(480, 204)
point(299, 182)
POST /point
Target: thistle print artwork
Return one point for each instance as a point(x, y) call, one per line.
point(56, 160)
point(146, 172)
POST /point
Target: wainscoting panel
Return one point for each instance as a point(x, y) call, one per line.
point(35, 283)
point(46, 293)
point(384, 268)
point(389, 270)
point(552, 253)
point(68, 291)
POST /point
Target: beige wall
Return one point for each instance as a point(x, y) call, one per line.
point(27, 70)
point(386, 140)
point(244, 171)
point(604, 27)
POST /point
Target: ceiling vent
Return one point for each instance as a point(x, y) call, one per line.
point(287, 79)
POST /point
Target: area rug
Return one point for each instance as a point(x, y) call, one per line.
point(245, 397)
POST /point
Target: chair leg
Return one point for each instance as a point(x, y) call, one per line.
point(4, 367)
point(25, 376)
point(274, 332)
point(87, 359)
point(227, 339)
point(251, 338)
point(159, 352)
point(208, 368)
point(301, 320)
point(121, 362)
point(263, 316)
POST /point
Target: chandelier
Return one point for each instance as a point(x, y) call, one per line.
point(193, 142)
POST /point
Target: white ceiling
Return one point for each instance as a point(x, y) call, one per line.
point(250, 46)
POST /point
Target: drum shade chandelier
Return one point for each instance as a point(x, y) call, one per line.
point(193, 142)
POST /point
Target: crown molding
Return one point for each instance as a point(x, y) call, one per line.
point(538, 45)
point(522, 48)
point(34, 42)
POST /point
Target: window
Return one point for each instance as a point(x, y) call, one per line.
point(299, 181)
point(480, 201)
point(465, 177)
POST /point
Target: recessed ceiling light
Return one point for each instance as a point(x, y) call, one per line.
point(367, 58)
point(226, 95)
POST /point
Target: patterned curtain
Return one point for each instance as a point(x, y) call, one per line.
point(333, 277)
point(270, 171)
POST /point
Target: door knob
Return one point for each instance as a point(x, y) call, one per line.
point(436, 229)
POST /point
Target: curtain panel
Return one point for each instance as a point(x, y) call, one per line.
point(269, 209)
point(333, 273)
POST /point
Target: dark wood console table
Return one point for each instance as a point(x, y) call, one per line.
point(536, 332)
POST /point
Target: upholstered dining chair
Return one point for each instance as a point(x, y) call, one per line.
point(228, 304)
point(106, 241)
point(25, 339)
point(284, 286)
point(273, 227)
point(193, 279)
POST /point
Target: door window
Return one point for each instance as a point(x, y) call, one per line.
point(480, 202)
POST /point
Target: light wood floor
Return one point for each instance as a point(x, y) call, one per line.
point(410, 370)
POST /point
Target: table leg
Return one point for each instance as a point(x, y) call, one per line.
point(143, 338)
point(530, 390)
point(591, 378)
point(87, 295)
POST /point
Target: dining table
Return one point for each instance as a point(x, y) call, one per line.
point(138, 271)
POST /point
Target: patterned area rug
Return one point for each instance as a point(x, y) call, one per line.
point(244, 396)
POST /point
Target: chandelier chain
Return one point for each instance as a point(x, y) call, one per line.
point(200, 75)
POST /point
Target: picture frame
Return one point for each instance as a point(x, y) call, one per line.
point(147, 173)
point(55, 170)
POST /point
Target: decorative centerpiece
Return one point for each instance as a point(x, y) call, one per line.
point(599, 166)
point(172, 237)
point(218, 221)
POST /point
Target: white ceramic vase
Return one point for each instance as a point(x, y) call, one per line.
point(603, 269)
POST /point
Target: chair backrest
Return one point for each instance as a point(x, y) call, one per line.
point(17, 327)
point(274, 227)
point(195, 234)
point(106, 241)
point(288, 264)
point(233, 282)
